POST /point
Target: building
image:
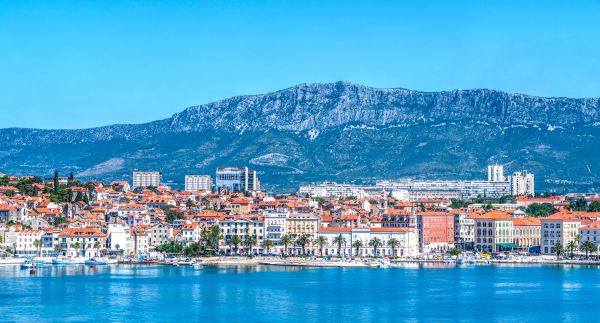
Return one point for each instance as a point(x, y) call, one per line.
point(146, 179)
point(198, 183)
point(464, 231)
point(522, 183)
point(276, 227)
point(560, 228)
point(493, 232)
point(159, 233)
point(590, 232)
point(82, 242)
point(243, 227)
point(495, 173)
point(236, 179)
point(407, 241)
point(527, 232)
point(29, 243)
point(436, 231)
point(447, 189)
point(119, 238)
point(298, 224)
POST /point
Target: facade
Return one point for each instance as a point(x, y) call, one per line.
point(495, 173)
point(407, 242)
point(159, 233)
point(436, 231)
point(590, 232)
point(275, 228)
point(464, 231)
point(198, 183)
point(298, 224)
point(527, 231)
point(145, 179)
point(119, 238)
point(558, 228)
point(448, 189)
point(522, 183)
point(493, 231)
point(243, 228)
point(29, 243)
point(236, 179)
point(82, 242)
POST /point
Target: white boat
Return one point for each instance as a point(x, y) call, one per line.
point(63, 261)
point(95, 262)
point(28, 264)
point(185, 262)
point(197, 266)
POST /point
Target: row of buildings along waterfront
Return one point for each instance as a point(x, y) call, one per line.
point(496, 185)
point(232, 179)
point(97, 218)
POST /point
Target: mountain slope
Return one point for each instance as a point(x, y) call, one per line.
point(338, 131)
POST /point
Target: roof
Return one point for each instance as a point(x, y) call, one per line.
point(492, 215)
point(562, 216)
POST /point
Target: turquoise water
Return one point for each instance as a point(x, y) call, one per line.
point(277, 294)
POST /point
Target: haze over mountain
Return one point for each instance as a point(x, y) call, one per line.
point(339, 131)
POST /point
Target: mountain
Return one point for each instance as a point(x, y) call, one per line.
point(338, 131)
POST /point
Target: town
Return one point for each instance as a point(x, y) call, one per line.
point(64, 219)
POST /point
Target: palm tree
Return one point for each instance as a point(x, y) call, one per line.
point(77, 246)
point(38, 245)
point(118, 247)
point(393, 243)
point(558, 248)
point(375, 243)
point(57, 249)
point(588, 247)
point(235, 241)
point(267, 245)
point(97, 245)
point(302, 241)
point(339, 240)
point(249, 242)
point(286, 240)
point(357, 244)
point(571, 246)
point(321, 241)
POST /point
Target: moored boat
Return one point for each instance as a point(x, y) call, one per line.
point(63, 261)
point(95, 262)
point(28, 264)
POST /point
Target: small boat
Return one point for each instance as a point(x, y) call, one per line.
point(185, 262)
point(95, 262)
point(28, 264)
point(63, 261)
point(197, 266)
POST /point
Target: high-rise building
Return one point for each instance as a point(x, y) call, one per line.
point(522, 183)
point(198, 182)
point(237, 179)
point(496, 173)
point(145, 179)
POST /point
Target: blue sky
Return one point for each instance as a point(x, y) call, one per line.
point(74, 64)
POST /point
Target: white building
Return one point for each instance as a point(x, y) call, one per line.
point(447, 189)
point(464, 231)
point(236, 179)
point(558, 228)
point(119, 238)
point(495, 173)
point(26, 243)
point(145, 179)
point(408, 244)
point(198, 182)
point(275, 228)
point(522, 183)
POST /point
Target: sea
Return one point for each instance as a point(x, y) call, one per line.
point(261, 293)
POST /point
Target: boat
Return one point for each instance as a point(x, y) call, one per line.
point(63, 261)
point(185, 262)
point(28, 264)
point(95, 262)
point(197, 266)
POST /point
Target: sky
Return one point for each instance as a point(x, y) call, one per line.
point(80, 64)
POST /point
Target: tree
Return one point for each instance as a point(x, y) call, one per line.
point(71, 179)
point(189, 203)
point(55, 188)
point(558, 248)
point(38, 245)
point(211, 237)
point(235, 241)
point(302, 241)
point(572, 246)
point(321, 242)
point(249, 242)
point(539, 209)
point(458, 203)
point(267, 244)
point(286, 240)
point(588, 247)
point(357, 244)
point(375, 243)
point(170, 247)
point(455, 252)
point(339, 241)
point(393, 243)
point(118, 247)
point(57, 249)
point(77, 246)
point(193, 249)
point(594, 206)
point(97, 245)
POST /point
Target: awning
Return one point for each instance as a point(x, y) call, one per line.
point(508, 246)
